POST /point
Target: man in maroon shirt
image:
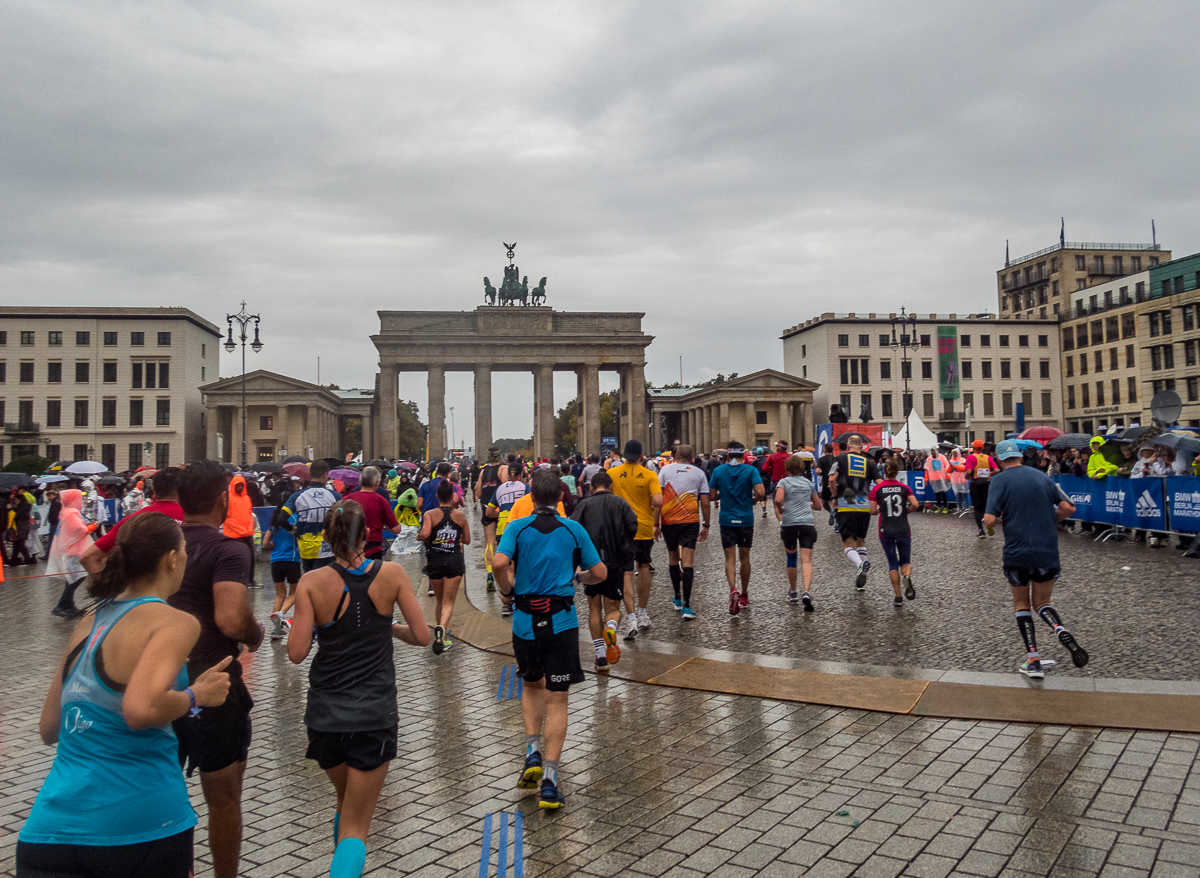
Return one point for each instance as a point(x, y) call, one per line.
point(165, 483)
point(774, 470)
point(376, 509)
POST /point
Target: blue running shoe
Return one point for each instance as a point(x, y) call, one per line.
point(688, 614)
point(532, 772)
point(551, 798)
point(677, 603)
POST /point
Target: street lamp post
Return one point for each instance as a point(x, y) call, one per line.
point(907, 338)
point(243, 320)
point(452, 434)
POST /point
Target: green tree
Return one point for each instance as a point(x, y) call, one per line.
point(29, 464)
point(410, 437)
point(515, 446)
point(566, 424)
point(354, 434)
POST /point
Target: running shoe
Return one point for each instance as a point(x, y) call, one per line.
point(910, 593)
point(631, 628)
point(898, 601)
point(764, 513)
point(743, 601)
point(276, 627)
point(806, 599)
point(688, 614)
point(982, 535)
point(677, 603)
point(491, 583)
point(601, 665)
point(551, 798)
point(735, 604)
point(506, 609)
point(1032, 669)
point(991, 531)
point(439, 637)
point(287, 626)
point(860, 581)
point(447, 642)
point(1079, 655)
point(643, 620)
point(794, 596)
point(612, 652)
point(532, 772)
point(64, 612)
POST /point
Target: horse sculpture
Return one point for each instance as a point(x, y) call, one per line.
point(538, 296)
point(489, 292)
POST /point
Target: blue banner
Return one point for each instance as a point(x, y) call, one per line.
point(1183, 501)
point(1132, 503)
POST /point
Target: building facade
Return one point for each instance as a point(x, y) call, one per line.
point(1169, 328)
point(999, 364)
point(116, 385)
point(1039, 285)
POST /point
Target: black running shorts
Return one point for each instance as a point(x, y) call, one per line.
point(444, 565)
point(218, 736)
point(169, 857)
point(803, 534)
point(285, 571)
point(853, 525)
point(552, 656)
point(1020, 577)
point(678, 536)
point(742, 537)
point(612, 588)
point(363, 751)
point(641, 551)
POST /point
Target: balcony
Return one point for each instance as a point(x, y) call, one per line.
point(21, 428)
point(953, 417)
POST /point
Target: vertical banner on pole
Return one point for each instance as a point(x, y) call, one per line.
point(948, 383)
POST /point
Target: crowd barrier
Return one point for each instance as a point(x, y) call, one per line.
point(1154, 503)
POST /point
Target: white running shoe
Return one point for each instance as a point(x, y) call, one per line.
point(643, 620)
point(631, 628)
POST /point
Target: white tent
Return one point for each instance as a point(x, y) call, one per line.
point(922, 438)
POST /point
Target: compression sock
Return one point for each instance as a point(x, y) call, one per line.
point(550, 771)
point(337, 818)
point(689, 574)
point(1050, 617)
point(676, 578)
point(852, 556)
point(532, 744)
point(862, 553)
point(349, 859)
point(1025, 624)
point(791, 559)
point(599, 644)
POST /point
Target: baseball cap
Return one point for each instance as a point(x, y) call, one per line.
point(1007, 449)
point(633, 450)
point(977, 444)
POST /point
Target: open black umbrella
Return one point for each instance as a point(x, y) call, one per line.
point(840, 436)
point(333, 462)
point(16, 480)
point(1069, 440)
point(381, 463)
point(110, 480)
point(295, 458)
point(230, 467)
point(267, 468)
point(1136, 432)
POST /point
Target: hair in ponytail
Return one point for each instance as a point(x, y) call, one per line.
point(345, 525)
point(891, 469)
point(141, 544)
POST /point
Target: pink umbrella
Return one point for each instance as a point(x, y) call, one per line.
point(300, 470)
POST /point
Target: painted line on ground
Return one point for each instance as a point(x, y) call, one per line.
point(502, 821)
point(511, 685)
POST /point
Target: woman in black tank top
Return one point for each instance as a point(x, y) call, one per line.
point(351, 715)
point(444, 531)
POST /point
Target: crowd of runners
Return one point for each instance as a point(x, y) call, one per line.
point(150, 686)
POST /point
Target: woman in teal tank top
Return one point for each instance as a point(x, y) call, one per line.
point(115, 802)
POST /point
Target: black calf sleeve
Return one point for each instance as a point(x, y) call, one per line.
point(676, 577)
point(689, 574)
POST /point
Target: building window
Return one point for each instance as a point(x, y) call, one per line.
point(907, 401)
point(203, 370)
point(135, 455)
point(1081, 336)
point(1189, 353)
point(137, 375)
point(855, 371)
point(1168, 356)
point(1116, 391)
point(926, 369)
point(843, 341)
point(985, 341)
point(1166, 322)
point(108, 413)
point(927, 404)
point(164, 375)
point(1130, 357)
point(54, 373)
point(1005, 370)
point(266, 423)
point(162, 455)
point(1047, 404)
point(54, 338)
point(986, 366)
point(965, 366)
point(1006, 404)
point(1070, 367)
point(26, 337)
point(204, 350)
point(1128, 325)
point(110, 373)
point(52, 452)
point(1189, 318)
point(1004, 341)
point(1023, 341)
point(803, 350)
point(151, 372)
point(885, 405)
point(83, 373)
point(163, 413)
point(81, 451)
point(135, 413)
point(26, 373)
point(803, 373)
point(864, 341)
point(1068, 340)
point(1113, 360)
point(1044, 369)
point(1025, 369)
point(83, 339)
point(1110, 329)
point(3, 372)
point(164, 339)
point(1083, 361)
point(108, 455)
point(110, 339)
point(884, 340)
point(54, 413)
point(964, 341)
point(760, 417)
point(924, 341)
point(1099, 393)
point(81, 413)
point(3, 341)
point(989, 405)
point(1098, 359)
point(885, 369)
point(137, 339)
point(1097, 332)
point(1193, 390)
point(1135, 264)
point(1085, 392)
point(906, 369)
point(844, 401)
point(1156, 358)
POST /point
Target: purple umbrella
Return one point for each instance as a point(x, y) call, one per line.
point(348, 477)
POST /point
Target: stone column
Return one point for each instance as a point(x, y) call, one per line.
point(589, 430)
point(437, 411)
point(785, 423)
point(212, 414)
point(281, 430)
point(483, 409)
point(637, 402)
point(389, 394)
point(706, 430)
point(751, 424)
point(368, 437)
point(724, 423)
point(543, 385)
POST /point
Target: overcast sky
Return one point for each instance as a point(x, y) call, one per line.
point(730, 169)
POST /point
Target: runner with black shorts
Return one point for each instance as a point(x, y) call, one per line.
point(535, 566)
point(490, 478)
point(638, 486)
point(1030, 505)
point(612, 524)
point(285, 570)
point(892, 500)
point(739, 485)
point(855, 474)
point(824, 466)
point(444, 531)
point(795, 501)
point(217, 740)
point(351, 715)
point(685, 503)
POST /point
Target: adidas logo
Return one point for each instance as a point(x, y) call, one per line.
point(1146, 507)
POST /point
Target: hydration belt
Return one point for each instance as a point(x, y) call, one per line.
point(543, 604)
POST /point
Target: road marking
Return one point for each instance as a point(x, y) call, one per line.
point(503, 819)
point(511, 685)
